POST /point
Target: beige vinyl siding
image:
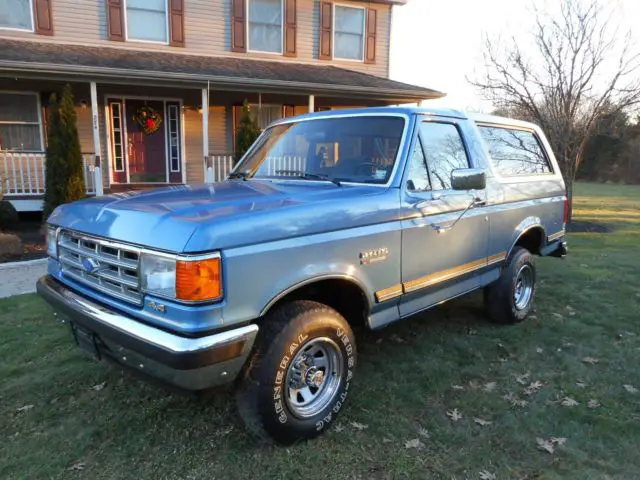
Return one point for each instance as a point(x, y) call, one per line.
point(207, 31)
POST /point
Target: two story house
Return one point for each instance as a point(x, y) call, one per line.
point(187, 65)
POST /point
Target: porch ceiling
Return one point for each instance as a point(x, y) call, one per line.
point(118, 65)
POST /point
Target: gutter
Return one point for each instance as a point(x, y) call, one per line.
point(38, 67)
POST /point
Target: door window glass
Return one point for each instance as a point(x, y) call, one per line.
point(418, 178)
point(444, 152)
point(515, 152)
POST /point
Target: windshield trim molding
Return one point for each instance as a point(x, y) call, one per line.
point(401, 145)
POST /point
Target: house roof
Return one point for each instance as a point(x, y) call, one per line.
point(231, 73)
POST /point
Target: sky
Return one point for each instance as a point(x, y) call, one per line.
point(438, 43)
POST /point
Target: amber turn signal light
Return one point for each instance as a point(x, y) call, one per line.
point(199, 280)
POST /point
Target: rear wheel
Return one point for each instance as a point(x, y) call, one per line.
point(299, 376)
point(510, 298)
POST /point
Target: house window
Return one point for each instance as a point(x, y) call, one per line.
point(116, 139)
point(20, 122)
point(265, 25)
point(147, 20)
point(16, 15)
point(348, 33)
point(174, 143)
point(266, 114)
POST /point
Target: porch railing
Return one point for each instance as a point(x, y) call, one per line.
point(220, 166)
point(23, 174)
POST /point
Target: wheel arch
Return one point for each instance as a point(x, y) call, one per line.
point(532, 237)
point(332, 290)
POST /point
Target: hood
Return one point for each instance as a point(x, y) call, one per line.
point(223, 215)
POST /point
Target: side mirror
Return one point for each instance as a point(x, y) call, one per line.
point(468, 179)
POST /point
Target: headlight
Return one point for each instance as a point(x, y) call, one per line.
point(193, 280)
point(52, 241)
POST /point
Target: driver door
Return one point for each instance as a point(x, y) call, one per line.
point(440, 260)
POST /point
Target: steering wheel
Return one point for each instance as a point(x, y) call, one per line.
point(363, 165)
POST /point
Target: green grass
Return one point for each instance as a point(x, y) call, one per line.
point(409, 376)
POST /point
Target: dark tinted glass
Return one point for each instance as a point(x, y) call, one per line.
point(515, 152)
point(444, 151)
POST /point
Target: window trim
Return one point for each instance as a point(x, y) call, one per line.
point(511, 178)
point(112, 137)
point(168, 132)
point(40, 122)
point(247, 30)
point(135, 40)
point(333, 32)
point(33, 22)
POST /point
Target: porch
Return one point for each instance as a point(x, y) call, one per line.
point(143, 129)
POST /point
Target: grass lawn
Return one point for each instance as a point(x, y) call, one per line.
point(569, 376)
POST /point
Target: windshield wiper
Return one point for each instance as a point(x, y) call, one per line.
point(310, 176)
point(242, 175)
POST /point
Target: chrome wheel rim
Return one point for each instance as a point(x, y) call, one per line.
point(313, 377)
point(523, 288)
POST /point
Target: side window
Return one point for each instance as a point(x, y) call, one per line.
point(444, 152)
point(515, 152)
point(418, 178)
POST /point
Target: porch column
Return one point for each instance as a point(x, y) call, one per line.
point(208, 170)
point(312, 103)
point(97, 171)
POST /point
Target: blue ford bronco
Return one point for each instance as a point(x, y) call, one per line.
point(330, 220)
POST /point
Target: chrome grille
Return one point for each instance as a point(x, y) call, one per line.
point(115, 266)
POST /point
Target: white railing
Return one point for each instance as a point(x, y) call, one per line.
point(220, 166)
point(24, 173)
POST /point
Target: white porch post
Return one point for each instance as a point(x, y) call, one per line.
point(208, 170)
point(312, 103)
point(97, 171)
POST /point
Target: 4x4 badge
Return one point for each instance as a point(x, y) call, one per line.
point(373, 256)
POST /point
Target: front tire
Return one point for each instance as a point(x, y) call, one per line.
point(510, 298)
point(298, 378)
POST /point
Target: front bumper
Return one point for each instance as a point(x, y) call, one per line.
point(187, 363)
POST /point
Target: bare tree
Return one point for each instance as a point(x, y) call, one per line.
point(576, 68)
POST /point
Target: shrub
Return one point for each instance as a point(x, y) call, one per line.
point(65, 179)
point(248, 131)
point(8, 215)
point(10, 244)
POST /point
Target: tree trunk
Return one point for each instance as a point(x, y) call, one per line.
point(569, 186)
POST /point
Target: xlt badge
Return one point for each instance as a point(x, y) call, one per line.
point(373, 256)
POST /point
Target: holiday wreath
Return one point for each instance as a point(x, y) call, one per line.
point(148, 119)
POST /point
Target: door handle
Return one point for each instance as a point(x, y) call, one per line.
point(479, 202)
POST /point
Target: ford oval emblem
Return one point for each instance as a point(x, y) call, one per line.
point(90, 265)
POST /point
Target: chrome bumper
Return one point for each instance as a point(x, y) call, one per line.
point(187, 363)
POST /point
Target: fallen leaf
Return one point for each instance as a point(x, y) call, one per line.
point(593, 403)
point(415, 443)
point(558, 440)
point(24, 408)
point(523, 379)
point(482, 422)
point(224, 431)
point(474, 384)
point(568, 402)
point(557, 315)
point(99, 386)
point(454, 415)
point(77, 466)
point(359, 426)
point(457, 387)
point(338, 427)
point(533, 388)
point(545, 445)
point(581, 384)
point(514, 400)
point(570, 308)
point(584, 265)
point(630, 388)
point(423, 432)
point(539, 350)
point(396, 338)
point(386, 440)
point(590, 360)
point(489, 387)
point(486, 475)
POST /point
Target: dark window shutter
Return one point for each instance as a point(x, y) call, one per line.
point(237, 114)
point(42, 17)
point(238, 27)
point(371, 30)
point(326, 30)
point(288, 111)
point(115, 20)
point(290, 28)
point(176, 23)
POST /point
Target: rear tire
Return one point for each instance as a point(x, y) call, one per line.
point(298, 378)
point(510, 298)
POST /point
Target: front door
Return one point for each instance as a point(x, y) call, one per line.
point(440, 260)
point(145, 145)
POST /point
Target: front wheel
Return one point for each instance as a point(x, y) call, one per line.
point(300, 374)
point(510, 298)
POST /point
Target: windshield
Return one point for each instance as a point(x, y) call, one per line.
point(359, 149)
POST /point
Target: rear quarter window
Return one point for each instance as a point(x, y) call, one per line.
point(515, 152)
